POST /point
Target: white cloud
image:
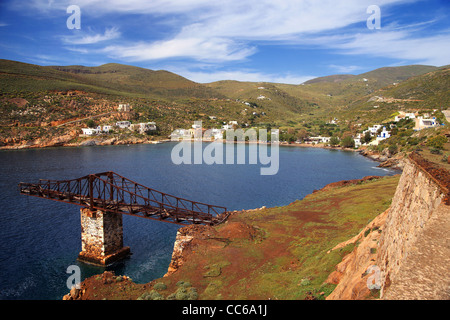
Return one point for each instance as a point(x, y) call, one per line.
point(214, 49)
point(240, 75)
point(224, 31)
point(109, 34)
point(219, 30)
point(345, 69)
point(433, 49)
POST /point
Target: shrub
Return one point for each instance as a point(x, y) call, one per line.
point(152, 295)
point(435, 151)
point(392, 149)
point(171, 296)
point(437, 142)
point(348, 142)
point(160, 286)
point(181, 294)
point(305, 282)
point(334, 141)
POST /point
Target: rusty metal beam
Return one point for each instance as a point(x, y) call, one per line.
point(111, 192)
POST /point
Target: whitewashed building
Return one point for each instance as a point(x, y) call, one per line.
point(91, 131)
point(181, 133)
point(123, 124)
point(124, 107)
point(422, 123)
point(320, 139)
point(107, 128)
point(384, 134)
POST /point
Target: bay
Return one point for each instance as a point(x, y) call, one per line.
point(40, 239)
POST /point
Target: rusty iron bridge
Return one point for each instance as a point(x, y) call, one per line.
point(110, 192)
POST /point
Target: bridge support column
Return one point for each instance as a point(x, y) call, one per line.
point(101, 237)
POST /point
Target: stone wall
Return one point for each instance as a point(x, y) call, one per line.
point(101, 237)
point(405, 252)
point(417, 197)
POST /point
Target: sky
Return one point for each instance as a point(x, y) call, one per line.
point(284, 41)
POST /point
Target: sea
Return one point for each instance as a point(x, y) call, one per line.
point(40, 239)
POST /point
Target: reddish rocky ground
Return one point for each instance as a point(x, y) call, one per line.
point(267, 253)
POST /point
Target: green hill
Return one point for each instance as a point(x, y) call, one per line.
point(423, 93)
point(110, 78)
point(34, 96)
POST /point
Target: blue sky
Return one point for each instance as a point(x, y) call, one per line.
point(288, 41)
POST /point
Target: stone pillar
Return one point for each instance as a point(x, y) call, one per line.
point(101, 237)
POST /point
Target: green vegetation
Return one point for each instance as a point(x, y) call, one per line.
point(437, 142)
point(291, 259)
point(34, 99)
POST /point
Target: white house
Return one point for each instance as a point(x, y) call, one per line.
point(357, 142)
point(321, 139)
point(384, 134)
point(404, 115)
point(422, 123)
point(181, 133)
point(123, 124)
point(106, 129)
point(125, 107)
point(215, 134)
point(373, 130)
point(149, 126)
point(143, 127)
point(230, 125)
point(90, 131)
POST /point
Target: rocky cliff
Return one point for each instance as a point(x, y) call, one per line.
point(404, 253)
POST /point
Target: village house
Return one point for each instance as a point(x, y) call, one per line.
point(91, 131)
point(123, 124)
point(404, 115)
point(216, 134)
point(384, 134)
point(107, 128)
point(320, 139)
point(125, 107)
point(143, 127)
point(422, 123)
point(373, 130)
point(181, 134)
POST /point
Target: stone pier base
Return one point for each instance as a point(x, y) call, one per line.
point(101, 237)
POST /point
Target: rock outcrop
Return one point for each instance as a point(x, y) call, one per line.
point(184, 243)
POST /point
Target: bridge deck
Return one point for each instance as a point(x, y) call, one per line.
point(111, 192)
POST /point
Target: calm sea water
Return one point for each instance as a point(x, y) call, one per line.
point(40, 239)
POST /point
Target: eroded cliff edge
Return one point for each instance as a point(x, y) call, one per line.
point(405, 251)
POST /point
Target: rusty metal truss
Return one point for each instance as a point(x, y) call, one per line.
point(111, 192)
